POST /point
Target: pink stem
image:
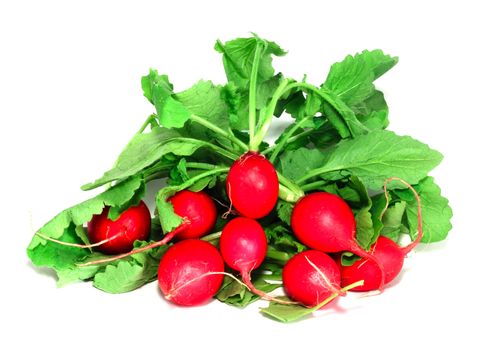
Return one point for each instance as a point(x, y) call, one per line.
point(77, 245)
point(165, 240)
point(246, 278)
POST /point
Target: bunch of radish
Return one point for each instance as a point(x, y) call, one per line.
point(321, 212)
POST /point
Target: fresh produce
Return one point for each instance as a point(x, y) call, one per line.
point(310, 277)
point(334, 181)
point(190, 272)
point(132, 225)
point(391, 258)
point(198, 209)
point(252, 185)
point(324, 221)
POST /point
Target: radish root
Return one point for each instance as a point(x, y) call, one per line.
point(246, 278)
point(84, 246)
point(329, 285)
point(164, 241)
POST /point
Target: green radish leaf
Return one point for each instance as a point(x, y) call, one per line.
point(348, 258)
point(364, 229)
point(295, 163)
point(392, 221)
point(355, 193)
point(377, 156)
point(436, 212)
point(234, 293)
point(159, 91)
point(204, 100)
point(238, 57)
point(341, 116)
point(145, 150)
point(284, 210)
point(287, 313)
point(352, 79)
point(373, 111)
point(178, 174)
point(126, 275)
point(281, 238)
point(167, 216)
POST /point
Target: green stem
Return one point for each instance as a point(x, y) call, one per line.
point(335, 295)
point(203, 175)
point(205, 166)
point(212, 236)
point(252, 91)
point(265, 122)
point(313, 185)
point(288, 190)
point(222, 151)
point(145, 124)
point(316, 172)
point(290, 140)
point(286, 136)
point(277, 255)
point(219, 131)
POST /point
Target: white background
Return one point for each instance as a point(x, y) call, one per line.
point(70, 99)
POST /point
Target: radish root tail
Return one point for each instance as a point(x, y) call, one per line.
point(174, 291)
point(328, 284)
point(84, 246)
point(164, 241)
point(246, 278)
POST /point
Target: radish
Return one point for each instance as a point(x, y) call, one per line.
point(310, 277)
point(120, 235)
point(386, 251)
point(196, 207)
point(199, 216)
point(324, 222)
point(252, 185)
point(391, 257)
point(243, 245)
point(190, 272)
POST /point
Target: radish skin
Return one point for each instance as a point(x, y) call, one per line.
point(119, 235)
point(310, 277)
point(252, 185)
point(191, 272)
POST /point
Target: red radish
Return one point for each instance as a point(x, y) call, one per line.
point(390, 255)
point(252, 185)
point(310, 277)
point(324, 221)
point(199, 215)
point(190, 272)
point(196, 207)
point(120, 235)
point(243, 245)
